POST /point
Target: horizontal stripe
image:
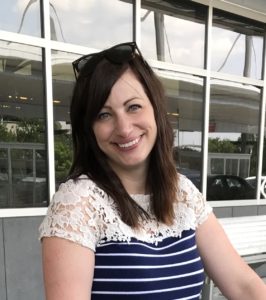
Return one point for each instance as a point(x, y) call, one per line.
point(144, 261)
point(147, 292)
point(147, 255)
point(147, 273)
point(151, 285)
point(147, 279)
point(148, 266)
point(189, 298)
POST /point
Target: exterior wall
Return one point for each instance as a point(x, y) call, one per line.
point(2, 264)
point(21, 276)
point(239, 211)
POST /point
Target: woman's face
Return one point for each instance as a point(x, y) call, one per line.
point(125, 128)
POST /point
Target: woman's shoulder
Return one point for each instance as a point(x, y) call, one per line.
point(185, 185)
point(191, 200)
point(82, 186)
point(75, 191)
point(75, 212)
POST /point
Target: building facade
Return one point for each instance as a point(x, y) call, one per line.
point(210, 56)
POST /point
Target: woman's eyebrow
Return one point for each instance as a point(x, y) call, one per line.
point(130, 99)
point(124, 103)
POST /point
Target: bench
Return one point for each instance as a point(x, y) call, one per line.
point(248, 236)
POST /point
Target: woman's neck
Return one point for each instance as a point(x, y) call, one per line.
point(134, 180)
point(134, 185)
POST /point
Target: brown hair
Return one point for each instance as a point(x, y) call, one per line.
point(90, 94)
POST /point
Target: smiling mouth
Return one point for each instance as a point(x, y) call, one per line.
point(129, 144)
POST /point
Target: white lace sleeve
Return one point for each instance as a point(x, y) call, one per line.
point(195, 200)
point(71, 215)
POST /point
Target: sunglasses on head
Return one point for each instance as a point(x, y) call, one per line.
point(117, 54)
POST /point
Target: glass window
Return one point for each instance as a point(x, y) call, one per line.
point(23, 169)
point(95, 23)
point(173, 31)
point(20, 17)
point(4, 174)
point(234, 114)
point(63, 83)
point(217, 166)
point(263, 175)
point(237, 45)
point(232, 166)
point(263, 187)
point(244, 165)
point(225, 187)
point(184, 103)
point(258, 5)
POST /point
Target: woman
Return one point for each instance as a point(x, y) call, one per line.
point(125, 224)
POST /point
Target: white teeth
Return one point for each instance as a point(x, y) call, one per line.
point(129, 144)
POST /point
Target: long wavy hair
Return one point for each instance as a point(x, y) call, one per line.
point(90, 94)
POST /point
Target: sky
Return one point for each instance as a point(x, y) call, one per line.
point(112, 21)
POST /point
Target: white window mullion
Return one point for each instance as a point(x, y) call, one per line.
point(49, 95)
point(205, 134)
point(262, 124)
point(137, 22)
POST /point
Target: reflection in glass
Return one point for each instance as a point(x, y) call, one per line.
point(263, 175)
point(28, 176)
point(21, 17)
point(23, 170)
point(226, 187)
point(217, 165)
point(63, 83)
point(4, 176)
point(232, 166)
point(173, 31)
point(237, 45)
point(233, 138)
point(258, 5)
point(184, 95)
point(95, 23)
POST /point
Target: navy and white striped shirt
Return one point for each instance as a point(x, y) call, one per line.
point(172, 269)
point(154, 262)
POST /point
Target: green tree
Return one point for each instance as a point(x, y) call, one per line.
point(31, 131)
point(5, 134)
point(217, 145)
point(63, 155)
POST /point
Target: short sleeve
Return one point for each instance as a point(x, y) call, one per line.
point(195, 200)
point(72, 216)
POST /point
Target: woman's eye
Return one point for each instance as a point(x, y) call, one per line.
point(103, 116)
point(134, 107)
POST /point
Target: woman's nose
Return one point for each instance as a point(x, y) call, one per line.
point(123, 125)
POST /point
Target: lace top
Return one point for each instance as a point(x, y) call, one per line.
point(154, 262)
point(83, 213)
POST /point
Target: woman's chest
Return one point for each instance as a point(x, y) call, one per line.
point(169, 269)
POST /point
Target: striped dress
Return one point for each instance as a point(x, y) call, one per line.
point(153, 262)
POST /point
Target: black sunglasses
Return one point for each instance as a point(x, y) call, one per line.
point(117, 54)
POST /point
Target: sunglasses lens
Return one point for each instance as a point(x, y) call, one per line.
point(82, 66)
point(120, 54)
point(82, 63)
